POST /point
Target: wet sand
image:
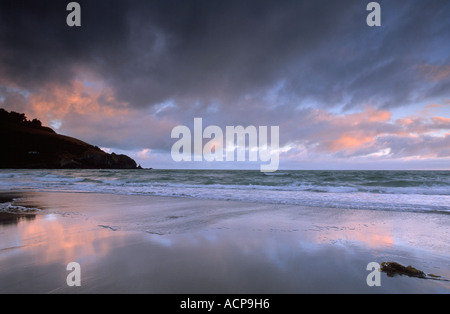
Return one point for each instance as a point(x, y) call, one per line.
point(146, 244)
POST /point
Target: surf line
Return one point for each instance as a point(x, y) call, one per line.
point(235, 144)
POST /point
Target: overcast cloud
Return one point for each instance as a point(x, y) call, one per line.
point(337, 88)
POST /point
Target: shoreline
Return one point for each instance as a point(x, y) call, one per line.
point(159, 244)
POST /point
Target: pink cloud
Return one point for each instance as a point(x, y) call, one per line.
point(435, 73)
point(443, 122)
point(144, 154)
point(371, 134)
point(346, 133)
point(59, 101)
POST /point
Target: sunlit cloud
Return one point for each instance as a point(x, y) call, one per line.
point(435, 73)
point(144, 154)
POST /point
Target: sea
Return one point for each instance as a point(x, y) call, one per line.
point(407, 191)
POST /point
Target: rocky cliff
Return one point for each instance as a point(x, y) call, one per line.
point(29, 145)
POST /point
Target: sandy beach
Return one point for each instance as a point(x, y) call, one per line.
point(147, 244)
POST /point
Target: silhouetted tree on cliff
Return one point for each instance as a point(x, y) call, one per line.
point(18, 118)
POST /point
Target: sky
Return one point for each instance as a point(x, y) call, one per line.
point(344, 95)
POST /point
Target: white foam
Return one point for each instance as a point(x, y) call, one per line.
point(9, 207)
point(250, 187)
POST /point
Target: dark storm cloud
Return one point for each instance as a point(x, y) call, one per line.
point(200, 52)
point(218, 50)
point(37, 46)
point(379, 66)
point(232, 61)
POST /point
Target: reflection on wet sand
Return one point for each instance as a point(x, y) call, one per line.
point(250, 250)
point(14, 219)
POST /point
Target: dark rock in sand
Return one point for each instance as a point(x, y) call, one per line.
point(393, 268)
point(29, 145)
